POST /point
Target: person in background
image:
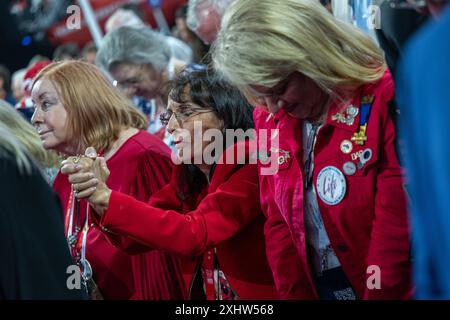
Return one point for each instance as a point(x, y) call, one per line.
point(67, 51)
point(204, 17)
point(33, 249)
point(398, 22)
point(47, 161)
point(37, 58)
point(124, 17)
point(17, 84)
point(25, 106)
point(423, 84)
point(5, 85)
point(327, 4)
point(89, 52)
point(181, 30)
point(141, 62)
point(337, 224)
point(77, 107)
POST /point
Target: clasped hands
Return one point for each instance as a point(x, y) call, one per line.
point(88, 174)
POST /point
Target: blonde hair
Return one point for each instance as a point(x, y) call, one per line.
point(27, 136)
point(96, 111)
point(261, 42)
point(10, 146)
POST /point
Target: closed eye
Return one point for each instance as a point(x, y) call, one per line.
point(46, 105)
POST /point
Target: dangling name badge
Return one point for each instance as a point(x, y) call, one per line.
point(331, 185)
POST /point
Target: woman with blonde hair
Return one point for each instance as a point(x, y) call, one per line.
point(25, 133)
point(336, 211)
point(77, 107)
point(35, 262)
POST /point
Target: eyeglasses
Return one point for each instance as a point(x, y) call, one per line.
point(181, 116)
point(127, 84)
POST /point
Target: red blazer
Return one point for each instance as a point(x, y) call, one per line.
point(368, 227)
point(227, 216)
point(139, 168)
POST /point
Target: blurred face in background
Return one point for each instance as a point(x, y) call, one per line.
point(183, 31)
point(17, 88)
point(50, 116)
point(208, 23)
point(90, 57)
point(137, 79)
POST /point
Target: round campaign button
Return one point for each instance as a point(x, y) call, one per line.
point(349, 168)
point(352, 111)
point(331, 185)
point(346, 146)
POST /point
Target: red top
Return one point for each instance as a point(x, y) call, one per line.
point(225, 218)
point(367, 227)
point(139, 168)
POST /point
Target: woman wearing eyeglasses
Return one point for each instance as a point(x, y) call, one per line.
point(209, 212)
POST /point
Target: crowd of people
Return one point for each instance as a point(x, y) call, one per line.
point(264, 150)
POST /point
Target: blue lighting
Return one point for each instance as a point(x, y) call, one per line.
point(26, 41)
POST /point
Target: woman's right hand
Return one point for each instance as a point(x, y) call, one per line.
point(88, 178)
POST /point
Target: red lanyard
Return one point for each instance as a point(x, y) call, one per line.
point(72, 229)
point(208, 275)
point(68, 222)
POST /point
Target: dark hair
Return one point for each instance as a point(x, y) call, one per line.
point(209, 91)
point(136, 9)
point(89, 47)
point(6, 76)
point(181, 12)
point(68, 49)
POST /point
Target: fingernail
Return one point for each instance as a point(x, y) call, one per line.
point(90, 152)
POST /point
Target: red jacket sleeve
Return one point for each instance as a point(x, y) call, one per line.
point(220, 215)
point(152, 173)
point(286, 265)
point(390, 246)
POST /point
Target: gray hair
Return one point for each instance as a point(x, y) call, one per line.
point(192, 20)
point(138, 46)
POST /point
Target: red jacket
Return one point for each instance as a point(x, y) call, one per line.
point(150, 276)
point(367, 227)
point(227, 216)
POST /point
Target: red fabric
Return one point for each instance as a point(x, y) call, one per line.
point(139, 168)
point(227, 217)
point(59, 33)
point(31, 73)
point(368, 227)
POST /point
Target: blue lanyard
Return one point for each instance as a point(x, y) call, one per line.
point(366, 106)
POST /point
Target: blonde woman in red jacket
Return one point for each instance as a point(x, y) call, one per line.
point(209, 214)
point(337, 224)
